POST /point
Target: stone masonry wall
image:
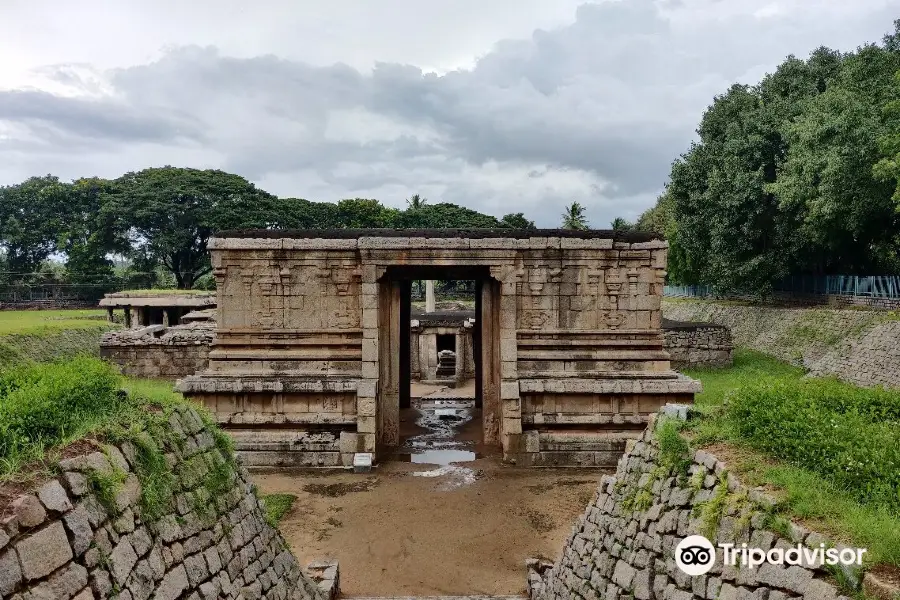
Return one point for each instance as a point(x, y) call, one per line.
point(703, 345)
point(622, 547)
point(858, 346)
point(61, 541)
point(158, 352)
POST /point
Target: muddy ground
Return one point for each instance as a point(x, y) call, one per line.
point(398, 534)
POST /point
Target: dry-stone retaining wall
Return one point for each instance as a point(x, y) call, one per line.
point(63, 542)
point(697, 344)
point(159, 352)
point(622, 547)
point(858, 346)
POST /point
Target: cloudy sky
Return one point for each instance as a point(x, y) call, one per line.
point(498, 105)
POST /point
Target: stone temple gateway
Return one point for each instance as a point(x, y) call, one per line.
point(311, 362)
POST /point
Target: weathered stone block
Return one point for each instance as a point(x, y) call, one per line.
point(44, 551)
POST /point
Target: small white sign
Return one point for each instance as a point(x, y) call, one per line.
point(362, 459)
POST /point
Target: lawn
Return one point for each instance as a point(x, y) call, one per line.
point(30, 322)
point(827, 450)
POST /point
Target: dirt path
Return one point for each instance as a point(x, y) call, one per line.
point(398, 534)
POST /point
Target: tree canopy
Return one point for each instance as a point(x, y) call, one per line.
point(163, 218)
point(794, 175)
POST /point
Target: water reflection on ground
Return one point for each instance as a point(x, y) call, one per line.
point(438, 440)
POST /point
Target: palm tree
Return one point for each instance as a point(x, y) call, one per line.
point(573, 217)
point(416, 202)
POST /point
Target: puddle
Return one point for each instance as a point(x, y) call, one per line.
point(439, 457)
point(441, 420)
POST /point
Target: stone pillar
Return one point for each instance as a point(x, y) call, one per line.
point(127, 317)
point(506, 323)
point(429, 296)
point(166, 317)
point(490, 363)
point(388, 422)
point(109, 314)
point(367, 412)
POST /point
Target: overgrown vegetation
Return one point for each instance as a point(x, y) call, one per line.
point(831, 451)
point(277, 506)
point(848, 435)
point(44, 407)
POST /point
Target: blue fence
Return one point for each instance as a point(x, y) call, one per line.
point(872, 286)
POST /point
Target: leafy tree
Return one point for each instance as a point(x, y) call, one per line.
point(657, 218)
point(297, 213)
point(170, 213)
point(516, 221)
point(443, 215)
point(88, 234)
point(363, 213)
point(574, 218)
point(31, 217)
point(620, 224)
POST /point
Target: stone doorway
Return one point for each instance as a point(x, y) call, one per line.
point(395, 354)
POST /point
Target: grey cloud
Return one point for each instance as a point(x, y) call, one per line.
point(62, 118)
point(605, 103)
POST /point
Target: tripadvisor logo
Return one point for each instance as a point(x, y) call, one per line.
point(695, 555)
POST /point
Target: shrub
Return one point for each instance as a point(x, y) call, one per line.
point(42, 405)
point(849, 435)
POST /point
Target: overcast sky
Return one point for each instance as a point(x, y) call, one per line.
point(499, 105)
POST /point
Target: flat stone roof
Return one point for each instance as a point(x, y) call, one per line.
point(159, 298)
point(343, 234)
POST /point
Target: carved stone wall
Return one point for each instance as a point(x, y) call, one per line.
point(308, 339)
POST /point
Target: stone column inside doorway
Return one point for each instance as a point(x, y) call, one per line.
point(490, 362)
point(388, 422)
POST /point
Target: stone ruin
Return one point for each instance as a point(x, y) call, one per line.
point(442, 346)
point(311, 360)
point(142, 308)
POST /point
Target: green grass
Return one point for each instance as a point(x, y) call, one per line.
point(43, 322)
point(45, 407)
point(749, 366)
point(152, 391)
point(277, 506)
point(48, 335)
point(801, 437)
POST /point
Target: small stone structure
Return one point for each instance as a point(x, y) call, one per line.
point(623, 545)
point(444, 330)
point(159, 352)
point(309, 365)
point(856, 345)
point(698, 344)
point(149, 307)
point(63, 542)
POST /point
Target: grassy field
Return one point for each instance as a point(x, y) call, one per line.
point(46, 335)
point(31, 322)
point(768, 422)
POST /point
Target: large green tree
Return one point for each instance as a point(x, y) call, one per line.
point(32, 215)
point(170, 213)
